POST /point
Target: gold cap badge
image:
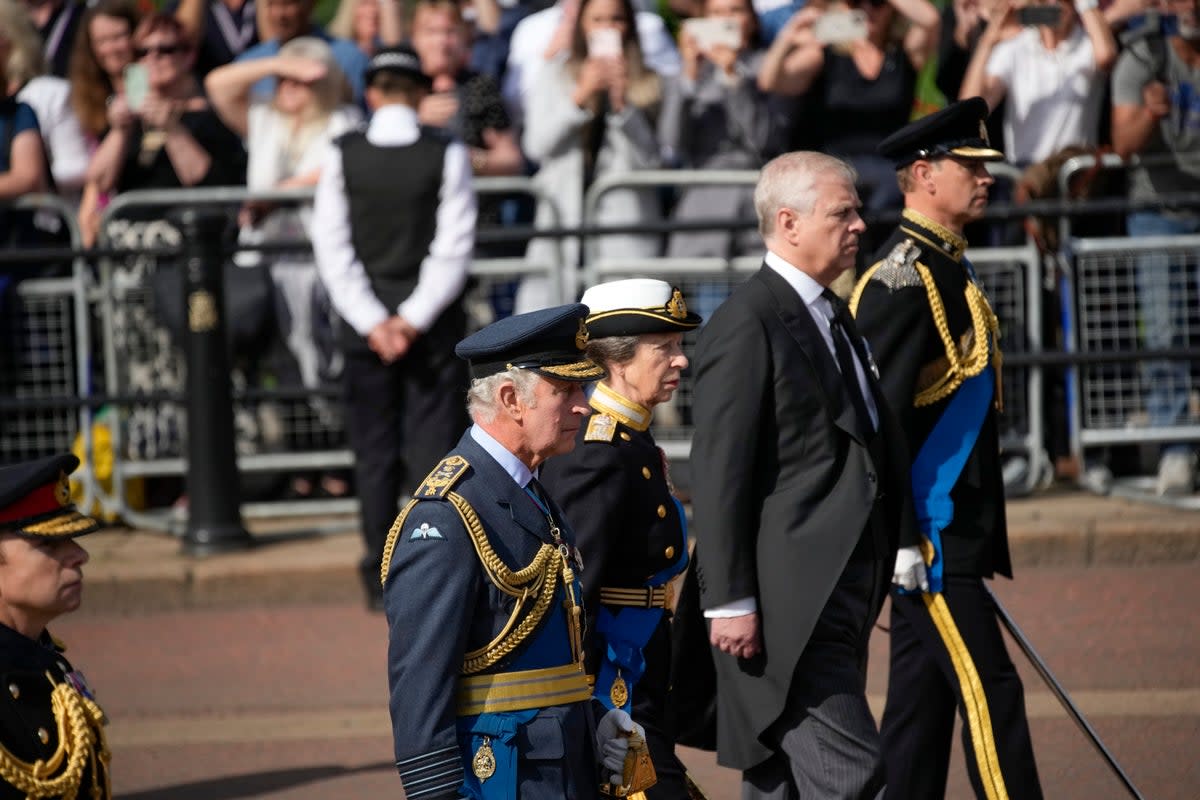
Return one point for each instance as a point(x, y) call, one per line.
point(676, 307)
point(581, 336)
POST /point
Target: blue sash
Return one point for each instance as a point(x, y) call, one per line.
point(549, 647)
point(626, 631)
point(940, 463)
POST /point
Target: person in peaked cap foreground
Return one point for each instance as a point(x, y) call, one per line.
point(489, 693)
point(936, 342)
point(51, 729)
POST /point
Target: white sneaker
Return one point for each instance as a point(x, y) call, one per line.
point(1176, 473)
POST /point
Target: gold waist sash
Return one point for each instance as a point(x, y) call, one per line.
point(658, 597)
point(522, 690)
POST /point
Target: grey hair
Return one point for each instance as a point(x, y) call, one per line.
point(611, 350)
point(481, 397)
point(332, 89)
point(789, 180)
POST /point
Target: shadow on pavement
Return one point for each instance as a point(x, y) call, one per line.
point(252, 784)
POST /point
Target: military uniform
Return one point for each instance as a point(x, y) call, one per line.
point(936, 341)
point(52, 742)
point(490, 697)
point(632, 534)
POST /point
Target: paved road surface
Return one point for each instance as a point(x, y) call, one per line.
point(290, 702)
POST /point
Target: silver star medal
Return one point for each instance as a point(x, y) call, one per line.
point(426, 531)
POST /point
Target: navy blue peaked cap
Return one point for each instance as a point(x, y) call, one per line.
point(959, 129)
point(550, 342)
point(35, 499)
point(400, 60)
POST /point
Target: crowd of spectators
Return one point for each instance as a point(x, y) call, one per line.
point(252, 93)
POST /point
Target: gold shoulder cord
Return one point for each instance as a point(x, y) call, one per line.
point(986, 329)
point(80, 740)
point(538, 580)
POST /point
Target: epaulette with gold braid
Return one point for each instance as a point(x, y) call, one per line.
point(601, 428)
point(437, 484)
point(898, 270)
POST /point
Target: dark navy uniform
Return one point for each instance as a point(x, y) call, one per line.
point(632, 534)
point(936, 341)
point(41, 694)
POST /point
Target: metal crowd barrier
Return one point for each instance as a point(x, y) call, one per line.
point(46, 353)
point(274, 435)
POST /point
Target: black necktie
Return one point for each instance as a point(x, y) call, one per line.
point(839, 328)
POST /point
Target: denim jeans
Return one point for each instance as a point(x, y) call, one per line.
point(1163, 312)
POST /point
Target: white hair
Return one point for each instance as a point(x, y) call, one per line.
point(482, 403)
point(789, 181)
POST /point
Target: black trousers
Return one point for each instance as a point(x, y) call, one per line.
point(649, 711)
point(401, 419)
point(939, 651)
point(825, 740)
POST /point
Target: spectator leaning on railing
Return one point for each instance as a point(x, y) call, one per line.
point(1156, 115)
point(714, 116)
point(103, 48)
point(589, 116)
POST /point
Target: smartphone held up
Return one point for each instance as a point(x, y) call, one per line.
point(1047, 16)
point(604, 43)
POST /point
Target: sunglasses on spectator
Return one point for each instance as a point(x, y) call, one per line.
point(159, 50)
point(867, 3)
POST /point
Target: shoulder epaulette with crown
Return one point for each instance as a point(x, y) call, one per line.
point(601, 428)
point(898, 269)
point(439, 482)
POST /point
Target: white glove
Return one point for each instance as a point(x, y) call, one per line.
point(612, 744)
point(910, 569)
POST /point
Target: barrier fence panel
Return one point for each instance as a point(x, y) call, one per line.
point(298, 430)
point(1135, 294)
point(45, 353)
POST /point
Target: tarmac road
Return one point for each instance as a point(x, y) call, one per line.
point(291, 701)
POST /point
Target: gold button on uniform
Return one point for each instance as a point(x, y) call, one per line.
point(669, 552)
point(44, 736)
point(626, 436)
point(662, 512)
point(14, 690)
point(646, 473)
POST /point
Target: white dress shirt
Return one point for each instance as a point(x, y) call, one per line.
point(822, 313)
point(443, 272)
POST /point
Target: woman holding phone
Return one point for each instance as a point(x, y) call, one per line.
point(714, 116)
point(860, 61)
point(589, 115)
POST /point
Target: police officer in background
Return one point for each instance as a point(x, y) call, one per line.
point(489, 694)
point(396, 214)
point(936, 341)
point(41, 694)
point(615, 490)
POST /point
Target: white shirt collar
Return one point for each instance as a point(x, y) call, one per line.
point(808, 289)
point(507, 461)
point(394, 124)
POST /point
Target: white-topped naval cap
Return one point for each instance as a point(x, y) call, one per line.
point(636, 305)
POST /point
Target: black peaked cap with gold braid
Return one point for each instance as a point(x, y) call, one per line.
point(35, 499)
point(959, 130)
point(550, 342)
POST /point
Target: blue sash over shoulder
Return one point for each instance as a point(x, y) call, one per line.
point(940, 462)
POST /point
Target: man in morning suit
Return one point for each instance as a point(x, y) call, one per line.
point(800, 498)
point(489, 695)
point(937, 341)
